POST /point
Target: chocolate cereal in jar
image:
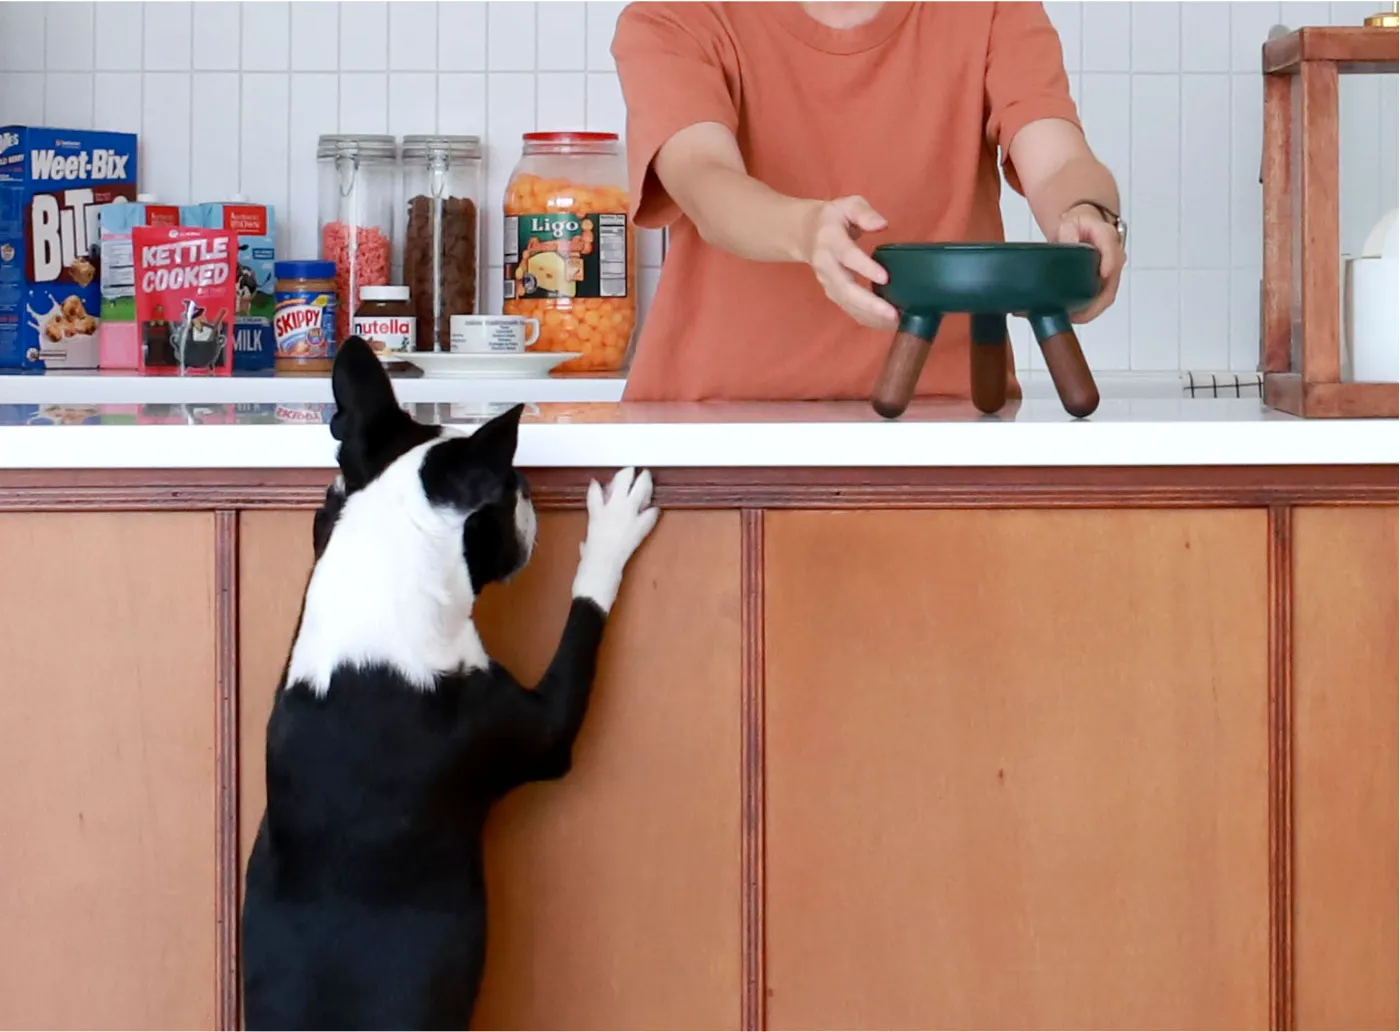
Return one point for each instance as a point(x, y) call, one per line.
point(441, 241)
point(570, 249)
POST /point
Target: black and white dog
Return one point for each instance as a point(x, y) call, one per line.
point(392, 732)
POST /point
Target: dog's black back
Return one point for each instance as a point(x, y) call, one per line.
point(392, 734)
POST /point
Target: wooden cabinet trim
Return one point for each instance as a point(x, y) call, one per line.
point(226, 866)
point(935, 488)
point(1280, 602)
point(754, 986)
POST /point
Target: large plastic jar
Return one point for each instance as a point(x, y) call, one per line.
point(570, 249)
point(441, 238)
point(356, 190)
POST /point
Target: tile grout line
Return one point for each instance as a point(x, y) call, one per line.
point(283, 223)
point(1180, 188)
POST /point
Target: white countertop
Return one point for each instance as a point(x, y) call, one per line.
point(91, 387)
point(1124, 432)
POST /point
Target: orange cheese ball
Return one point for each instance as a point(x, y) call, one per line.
point(598, 328)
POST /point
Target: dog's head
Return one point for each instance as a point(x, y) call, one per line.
point(419, 520)
point(395, 471)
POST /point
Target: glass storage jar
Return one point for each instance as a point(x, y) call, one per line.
point(570, 248)
point(357, 183)
point(441, 237)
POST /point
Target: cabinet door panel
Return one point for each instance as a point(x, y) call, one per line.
point(107, 782)
point(1344, 768)
point(1017, 769)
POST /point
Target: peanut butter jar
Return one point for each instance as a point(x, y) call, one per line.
point(303, 322)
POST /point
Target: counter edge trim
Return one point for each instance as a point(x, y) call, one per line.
point(783, 488)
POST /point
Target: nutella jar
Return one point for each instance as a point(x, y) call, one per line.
point(385, 319)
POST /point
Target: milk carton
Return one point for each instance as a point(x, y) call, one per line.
point(254, 343)
point(52, 182)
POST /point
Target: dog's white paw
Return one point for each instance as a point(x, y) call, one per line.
point(619, 519)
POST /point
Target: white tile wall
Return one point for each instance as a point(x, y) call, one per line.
point(230, 97)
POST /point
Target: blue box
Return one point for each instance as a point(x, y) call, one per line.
point(52, 182)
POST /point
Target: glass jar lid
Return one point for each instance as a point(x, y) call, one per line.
point(570, 143)
point(422, 148)
point(384, 293)
point(313, 269)
point(363, 148)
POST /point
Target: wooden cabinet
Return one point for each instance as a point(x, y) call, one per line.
point(1017, 769)
point(614, 894)
point(107, 787)
point(1344, 767)
point(1041, 748)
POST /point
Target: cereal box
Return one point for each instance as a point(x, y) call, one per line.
point(254, 345)
point(186, 293)
point(52, 182)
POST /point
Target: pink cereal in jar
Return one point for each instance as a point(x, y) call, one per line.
point(361, 255)
point(356, 193)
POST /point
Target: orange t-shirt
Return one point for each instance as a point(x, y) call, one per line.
point(907, 110)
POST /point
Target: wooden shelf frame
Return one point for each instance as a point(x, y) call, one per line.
point(1300, 341)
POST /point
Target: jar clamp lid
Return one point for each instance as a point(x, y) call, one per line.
point(423, 147)
point(363, 148)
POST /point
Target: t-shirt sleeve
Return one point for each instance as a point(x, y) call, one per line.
point(1026, 78)
point(670, 59)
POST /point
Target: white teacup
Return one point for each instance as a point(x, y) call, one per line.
point(492, 334)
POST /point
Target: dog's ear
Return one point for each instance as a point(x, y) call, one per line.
point(495, 441)
point(361, 387)
point(372, 429)
point(469, 472)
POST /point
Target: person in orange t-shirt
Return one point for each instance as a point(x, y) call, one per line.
point(780, 142)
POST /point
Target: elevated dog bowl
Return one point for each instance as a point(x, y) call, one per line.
point(1043, 282)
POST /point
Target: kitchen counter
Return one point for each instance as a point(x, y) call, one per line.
point(113, 387)
point(951, 722)
point(1033, 433)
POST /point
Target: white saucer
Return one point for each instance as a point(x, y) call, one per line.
point(459, 366)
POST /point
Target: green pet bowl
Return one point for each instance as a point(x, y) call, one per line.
point(1042, 282)
point(992, 278)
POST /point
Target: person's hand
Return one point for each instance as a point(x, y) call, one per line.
point(832, 253)
point(1085, 224)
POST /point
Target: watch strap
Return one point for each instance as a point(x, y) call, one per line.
point(1110, 216)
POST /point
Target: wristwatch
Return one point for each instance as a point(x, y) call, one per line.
point(1110, 216)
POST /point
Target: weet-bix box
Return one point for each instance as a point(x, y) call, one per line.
point(52, 182)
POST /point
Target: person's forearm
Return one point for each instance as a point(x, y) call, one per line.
point(1079, 179)
point(737, 213)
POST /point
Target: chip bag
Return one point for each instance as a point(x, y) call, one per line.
point(186, 297)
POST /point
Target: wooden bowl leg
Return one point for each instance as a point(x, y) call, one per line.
point(989, 361)
point(1074, 382)
point(905, 361)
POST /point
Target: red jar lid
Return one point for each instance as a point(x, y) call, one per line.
point(570, 137)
